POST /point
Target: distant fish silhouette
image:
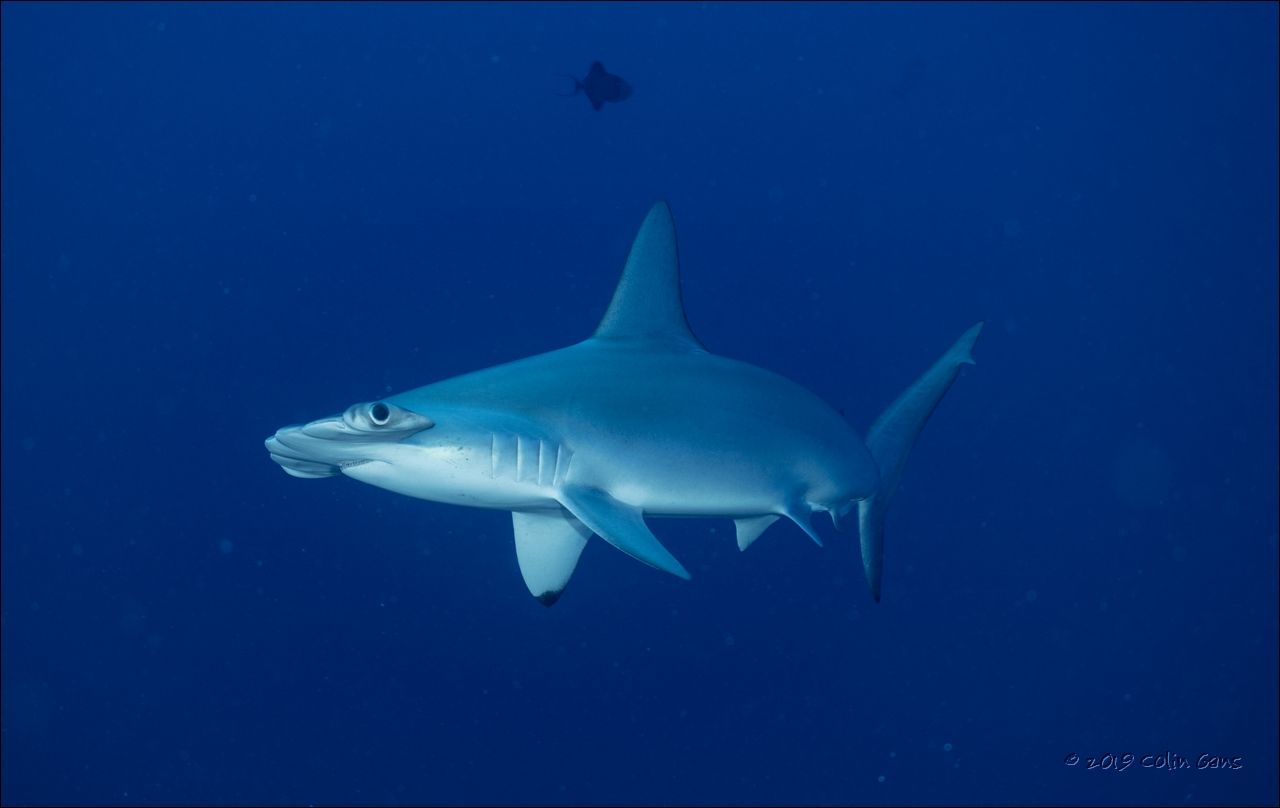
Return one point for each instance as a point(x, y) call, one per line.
point(600, 87)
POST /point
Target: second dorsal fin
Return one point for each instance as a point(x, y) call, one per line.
point(647, 306)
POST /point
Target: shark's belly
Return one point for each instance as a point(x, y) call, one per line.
point(684, 435)
point(686, 474)
point(717, 437)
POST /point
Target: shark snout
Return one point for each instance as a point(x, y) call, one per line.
point(324, 447)
point(301, 454)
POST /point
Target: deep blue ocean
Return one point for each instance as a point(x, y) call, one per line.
point(219, 219)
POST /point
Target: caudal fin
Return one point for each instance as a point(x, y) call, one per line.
point(577, 87)
point(890, 440)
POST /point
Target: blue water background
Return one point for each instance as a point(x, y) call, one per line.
point(221, 219)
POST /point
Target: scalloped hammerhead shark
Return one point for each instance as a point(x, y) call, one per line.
point(639, 420)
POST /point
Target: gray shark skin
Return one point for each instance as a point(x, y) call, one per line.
point(639, 420)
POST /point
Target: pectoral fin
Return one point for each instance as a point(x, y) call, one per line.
point(801, 514)
point(750, 529)
point(621, 525)
point(548, 544)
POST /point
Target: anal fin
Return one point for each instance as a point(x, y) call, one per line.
point(548, 544)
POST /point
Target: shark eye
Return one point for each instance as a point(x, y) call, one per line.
point(379, 414)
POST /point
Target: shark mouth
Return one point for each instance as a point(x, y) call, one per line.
point(295, 461)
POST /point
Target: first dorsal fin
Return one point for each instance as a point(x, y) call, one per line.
point(646, 306)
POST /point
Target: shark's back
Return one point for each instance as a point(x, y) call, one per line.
point(691, 418)
point(638, 420)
